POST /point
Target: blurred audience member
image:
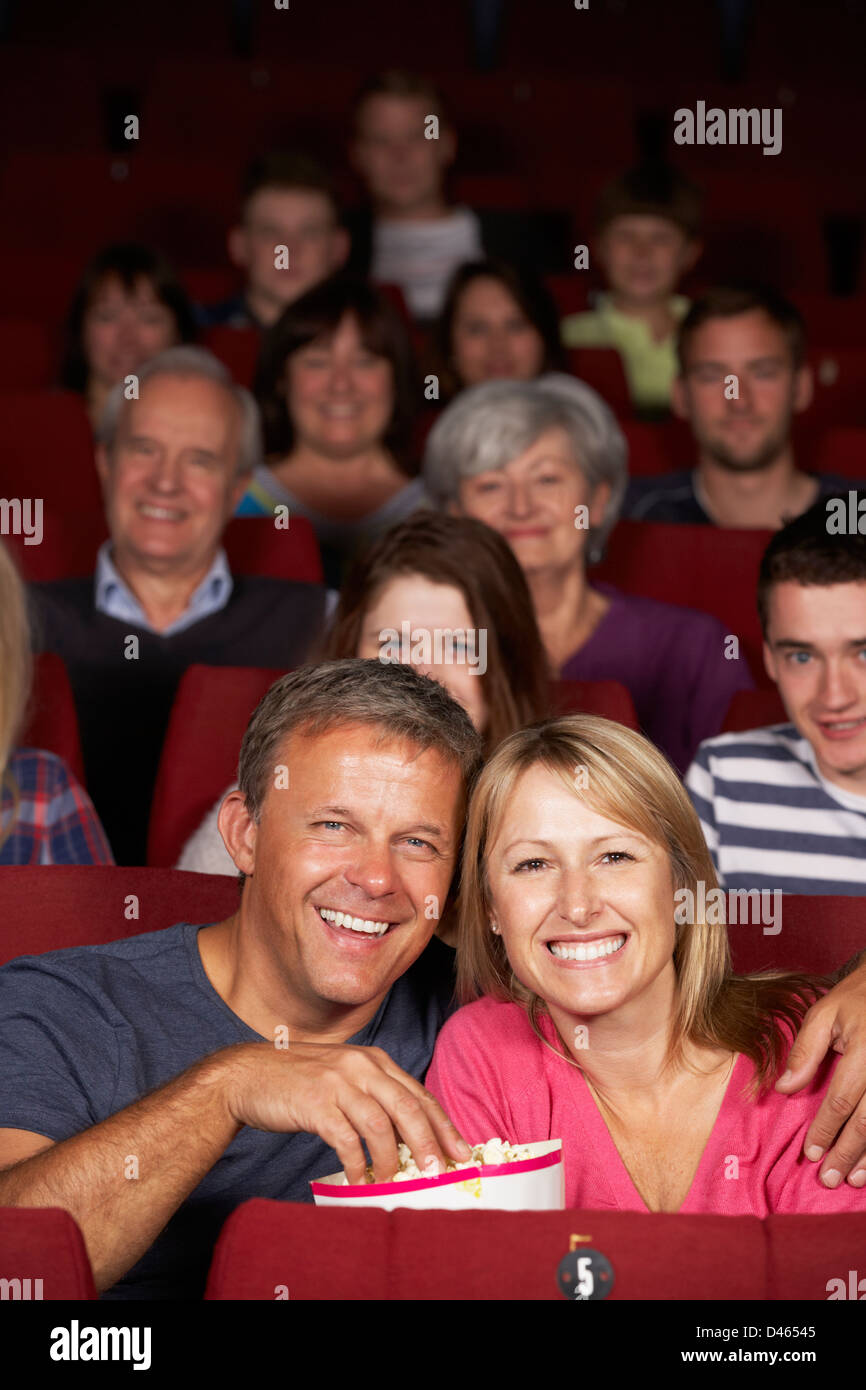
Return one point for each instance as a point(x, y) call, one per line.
point(287, 239)
point(451, 590)
point(173, 466)
point(646, 239)
point(544, 463)
point(128, 307)
point(784, 807)
point(498, 321)
point(410, 234)
point(336, 383)
point(743, 378)
point(45, 816)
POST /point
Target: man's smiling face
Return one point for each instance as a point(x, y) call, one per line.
point(367, 832)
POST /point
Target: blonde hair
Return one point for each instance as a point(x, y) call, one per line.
point(624, 777)
point(16, 670)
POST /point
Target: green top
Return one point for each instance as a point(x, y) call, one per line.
point(650, 366)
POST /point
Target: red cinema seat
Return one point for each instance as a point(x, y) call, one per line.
point(70, 540)
point(842, 449)
point(840, 387)
point(808, 1256)
point(661, 447)
point(319, 1253)
point(610, 699)
point(50, 907)
point(43, 1255)
point(211, 710)
point(817, 934)
point(28, 356)
point(47, 450)
point(602, 369)
point(210, 285)
point(238, 348)
point(702, 567)
point(754, 709)
point(570, 291)
point(52, 722)
point(255, 545)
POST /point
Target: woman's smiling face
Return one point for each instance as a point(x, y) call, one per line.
point(584, 904)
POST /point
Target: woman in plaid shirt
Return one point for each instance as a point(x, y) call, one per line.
point(46, 817)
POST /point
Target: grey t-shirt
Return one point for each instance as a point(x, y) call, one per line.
point(87, 1031)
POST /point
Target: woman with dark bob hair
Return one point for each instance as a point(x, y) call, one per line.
point(129, 305)
point(337, 390)
point(498, 322)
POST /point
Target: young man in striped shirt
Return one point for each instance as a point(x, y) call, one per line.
point(784, 807)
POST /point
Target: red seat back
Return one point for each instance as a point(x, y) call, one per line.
point(43, 1249)
point(50, 907)
point(704, 567)
point(52, 722)
point(805, 1253)
point(28, 355)
point(48, 450)
point(817, 934)
point(70, 541)
point(662, 447)
point(754, 709)
point(238, 348)
point(610, 699)
point(254, 545)
point(842, 449)
point(602, 369)
point(373, 1254)
point(211, 710)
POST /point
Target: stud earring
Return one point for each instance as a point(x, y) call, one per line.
point(494, 928)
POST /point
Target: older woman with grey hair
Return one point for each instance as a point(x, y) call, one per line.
point(546, 464)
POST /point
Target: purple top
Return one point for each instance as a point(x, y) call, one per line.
point(672, 661)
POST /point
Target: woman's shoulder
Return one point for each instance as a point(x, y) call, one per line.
point(490, 1020)
point(35, 769)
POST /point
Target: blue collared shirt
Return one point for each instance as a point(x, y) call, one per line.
point(113, 596)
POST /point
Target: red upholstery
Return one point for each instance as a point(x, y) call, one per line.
point(657, 448)
point(842, 449)
point(840, 387)
point(818, 934)
point(254, 545)
point(702, 567)
point(753, 709)
point(211, 710)
point(28, 357)
point(238, 348)
point(345, 1255)
point(602, 369)
point(805, 1252)
point(70, 540)
point(45, 1243)
point(607, 698)
point(52, 722)
point(569, 291)
point(47, 908)
point(48, 450)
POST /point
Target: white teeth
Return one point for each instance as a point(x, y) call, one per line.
point(593, 951)
point(846, 724)
point(359, 924)
point(161, 513)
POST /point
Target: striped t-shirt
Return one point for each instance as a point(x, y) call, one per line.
point(771, 820)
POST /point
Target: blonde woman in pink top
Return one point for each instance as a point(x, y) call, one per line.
point(605, 1021)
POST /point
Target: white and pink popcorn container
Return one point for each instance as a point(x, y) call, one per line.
point(528, 1184)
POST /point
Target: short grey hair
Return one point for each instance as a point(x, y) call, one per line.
point(190, 361)
point(392, 696)
point(489, 425)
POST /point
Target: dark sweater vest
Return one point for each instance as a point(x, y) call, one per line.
point(123, 704)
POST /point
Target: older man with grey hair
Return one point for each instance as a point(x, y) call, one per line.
point(174, 456)
point(545, 463)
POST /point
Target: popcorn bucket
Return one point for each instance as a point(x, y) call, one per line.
point(528, 1184)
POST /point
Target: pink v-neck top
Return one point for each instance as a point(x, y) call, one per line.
point(494, 1077)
